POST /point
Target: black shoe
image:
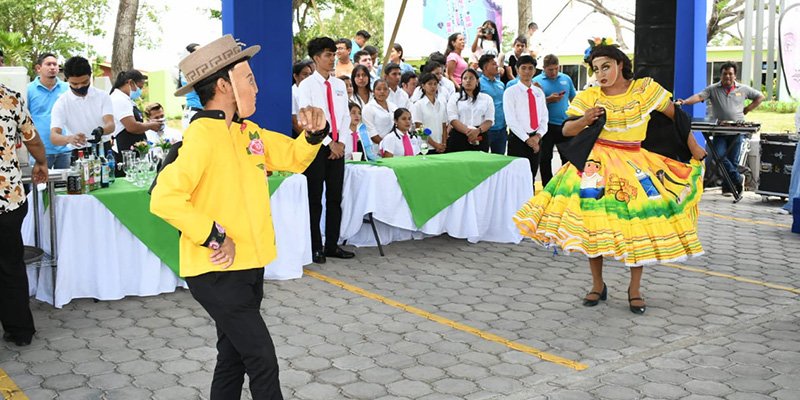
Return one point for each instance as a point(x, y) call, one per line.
point(318, 257)
point(600, 296)
point(339, 252)
point(635, 309)
point(17, 341)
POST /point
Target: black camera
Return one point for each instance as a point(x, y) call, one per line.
point(487, 31)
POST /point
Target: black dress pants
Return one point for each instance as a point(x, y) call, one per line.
point(518, 148)
point(329, 174)
point(458, 141)
point(15, 309)
point(233, 300)
point(554, 136)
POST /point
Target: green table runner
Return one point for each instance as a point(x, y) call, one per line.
point(131, 205)
point(430, 185)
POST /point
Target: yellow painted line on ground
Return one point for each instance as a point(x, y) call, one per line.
point(747, 220)
point(734, 277)
point(9, 389)
point(453, 324)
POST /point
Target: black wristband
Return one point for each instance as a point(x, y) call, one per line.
point(216, 237)
point(318, 136)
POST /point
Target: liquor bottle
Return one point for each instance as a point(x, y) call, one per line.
point(646, 182)
point(103, 171)
point(83, 170)
point(93, 178)
point(112, 167)
point(74, 184)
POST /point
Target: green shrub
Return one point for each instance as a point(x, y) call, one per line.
point(779, 107)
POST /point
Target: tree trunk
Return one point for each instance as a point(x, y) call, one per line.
point(618, 32)
point(124, 33)
point(525, 16)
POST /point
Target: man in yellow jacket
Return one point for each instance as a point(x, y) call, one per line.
point(216, 193)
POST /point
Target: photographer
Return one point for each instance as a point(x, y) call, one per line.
point(487, 41)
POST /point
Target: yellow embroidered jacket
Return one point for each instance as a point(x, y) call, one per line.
point(219, 177)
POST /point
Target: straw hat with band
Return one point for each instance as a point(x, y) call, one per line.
point(208, 59)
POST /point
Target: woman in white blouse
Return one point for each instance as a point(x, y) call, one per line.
point(378, 112)
point(471, 114)
point(399, 142)
point(431, 113)
point(362, 86)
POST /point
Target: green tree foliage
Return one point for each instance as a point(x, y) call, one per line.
point(38, 26)
point(337, 19)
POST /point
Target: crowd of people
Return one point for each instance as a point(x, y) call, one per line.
point(465, 104)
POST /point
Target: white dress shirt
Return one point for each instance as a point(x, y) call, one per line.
point(442, 96)
point(75, 114)
point(447, 87)
point(471, 113)
point(295, 108)
point(430, 115)
point(393, 143)
point(379, 121)
point(515, 107)
point(357, 99)
point(313, 92)
point(400, 98)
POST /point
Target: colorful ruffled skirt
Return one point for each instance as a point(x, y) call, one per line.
point(628, 203)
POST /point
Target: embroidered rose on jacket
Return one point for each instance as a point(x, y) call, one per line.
point(256, 147)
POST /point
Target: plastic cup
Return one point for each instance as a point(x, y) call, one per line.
point(356, 156)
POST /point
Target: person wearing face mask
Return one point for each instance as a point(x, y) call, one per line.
point(216, 193)
point(130, 126)
point(625, 202)
point(84, 115)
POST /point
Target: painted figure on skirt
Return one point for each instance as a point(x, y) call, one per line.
point(216, 193)
point(627, 203)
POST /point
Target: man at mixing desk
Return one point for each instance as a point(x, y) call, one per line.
point(727, 103)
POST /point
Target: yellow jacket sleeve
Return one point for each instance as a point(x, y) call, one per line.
point(171, 197)
point(283, 153)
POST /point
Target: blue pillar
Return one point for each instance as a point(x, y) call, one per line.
point(268, 24)
point(690, 53)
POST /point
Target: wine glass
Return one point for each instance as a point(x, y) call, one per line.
point(128, 158)
point(423, 148)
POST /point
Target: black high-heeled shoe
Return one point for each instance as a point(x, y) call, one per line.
point(600, 296)
point(635, 309)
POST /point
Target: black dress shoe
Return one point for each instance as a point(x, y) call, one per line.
point(318, 257)
point(635, 309)
point(600, 296)
point(17, 341)
point(340, 253)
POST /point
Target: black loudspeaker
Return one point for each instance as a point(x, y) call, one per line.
point(654, 46)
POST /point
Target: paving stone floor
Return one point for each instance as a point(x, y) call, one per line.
point(702, 337)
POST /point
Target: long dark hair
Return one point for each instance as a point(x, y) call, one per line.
point(363, 69)
point(450, 43)
point(462, 95)
point(425, 78)
point(397, 114)
point(399, 50)
point(299, 66)
point(495, 36)
point(613, 53)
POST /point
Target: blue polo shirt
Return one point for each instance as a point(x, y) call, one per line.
point(40, 104)
point(495, 90)
point(192, 99)
point(557, 110)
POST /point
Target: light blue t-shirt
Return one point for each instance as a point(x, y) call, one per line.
point(561, 83)
point(495, 90)
point(192, 99)
point(353, 50)
point(40, 104)
point(512, 83)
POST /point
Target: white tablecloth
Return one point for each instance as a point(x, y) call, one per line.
point(483, 214)
point(100, 258)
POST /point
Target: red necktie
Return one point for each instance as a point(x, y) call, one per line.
point(355, 141)
point(532, 110)
point(334, 131)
